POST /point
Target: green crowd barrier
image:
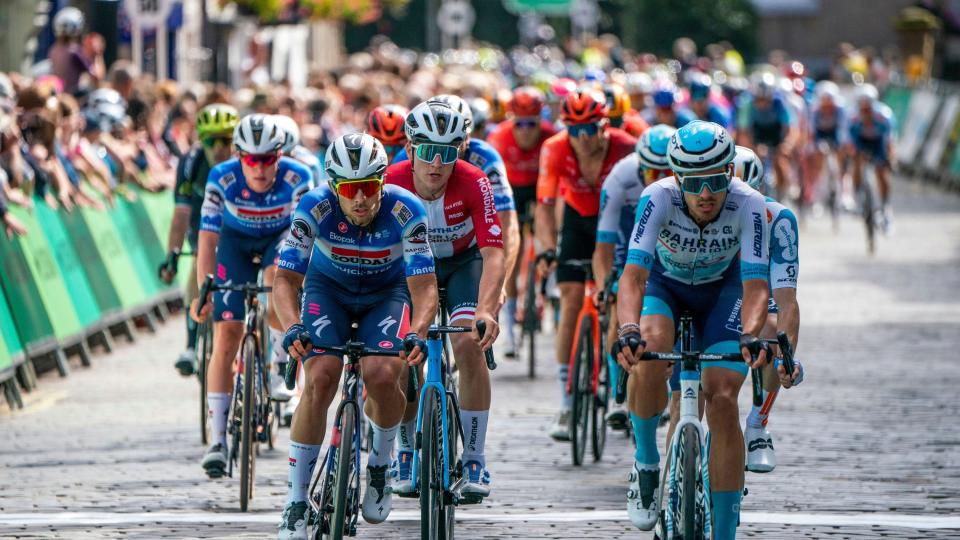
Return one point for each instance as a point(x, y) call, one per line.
point(120, 270)
point(126, 227)
point(898, 99)
point(10, 348)
point(20, 291)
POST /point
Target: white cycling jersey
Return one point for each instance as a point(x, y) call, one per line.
point(618, 204)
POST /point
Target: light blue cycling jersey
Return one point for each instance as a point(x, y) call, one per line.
point(311, 161)
point(229, 203)
point(394, 246)
point(618, 205)
point(667, 241)
point(485, 157)
point(784, 246)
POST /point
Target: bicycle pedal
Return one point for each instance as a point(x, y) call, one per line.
point(469, 498)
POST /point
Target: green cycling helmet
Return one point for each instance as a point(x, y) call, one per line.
point(217, 119)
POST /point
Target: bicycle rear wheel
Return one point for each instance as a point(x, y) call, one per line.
point(581, 389)
point(869, 210)
point(598, 412)
point(204, 347)
point(690, 485)
point(531, 320)
point(346, 469)
point(431, 469)
point(248, 435)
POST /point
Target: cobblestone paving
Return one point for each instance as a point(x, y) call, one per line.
point(872, 431)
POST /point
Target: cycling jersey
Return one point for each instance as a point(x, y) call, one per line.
point(784, 248)
point(323, 242)
point(667, 241)
point(717, 114)
point(769, 125)
point(618, 205)
point(634, 124)
point(462, 217)
point(560, 172)
point(521, 165)
point(681, 117)
point(192, 172)
point(312, 162)
point(230, 204)
point(482, 155)
point(872, 138)
point(829, 126)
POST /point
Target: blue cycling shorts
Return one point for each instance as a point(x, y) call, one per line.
point(236, 255)
point(382, 317)
point(875, 149)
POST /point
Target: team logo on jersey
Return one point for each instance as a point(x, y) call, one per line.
point(418, 235)
point(292, 178)
point(321, 210)
point(299, 229)
point(227, 180)
point(245, 193)
point(495, 230)
point(385, 344)
point(402, 213)
point(478, 160)
point(360, 256)
point(342, 227)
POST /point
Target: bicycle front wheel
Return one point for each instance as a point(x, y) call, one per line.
point(204, 347)
point(582, 389)
point(598, 412)
point(690, 485)
point(531, 319)
point(431, 469)
point(248, 434)
point(346, 468)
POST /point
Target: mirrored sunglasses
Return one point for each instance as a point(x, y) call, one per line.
point(370, 187)
point(428, 152)
point(265, 160)
point(694, 184)
point(589, 129)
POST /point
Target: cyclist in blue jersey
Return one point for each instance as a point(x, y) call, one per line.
point(215, 125)
point(702, 106)
point(246, 213)
point(783, 313)
point(699, 245)
point(665, 109)
point(292, 148)
point(618, 206)
point(361, 250)
point(828, 130)
point(765, 123)
point(871, 137)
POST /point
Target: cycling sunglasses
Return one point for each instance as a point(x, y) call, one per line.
point(590, 129)
point(213, 142)
point(253, 160)
point(694, 184)
point(428, 152)
point(370, 187)
point(526, 123)
point(652, 175)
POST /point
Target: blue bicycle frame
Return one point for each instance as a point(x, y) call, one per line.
point(435, 378)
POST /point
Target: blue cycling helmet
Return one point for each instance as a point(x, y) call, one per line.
point(652, 146)
point(665, 97)
point(699, 85)
point(700, 146)
point(594, 74)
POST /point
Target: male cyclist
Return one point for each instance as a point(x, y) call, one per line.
point(293, 149)
point(618, 207)
point(766, 123)
point(699, 245)
point(246, 213)
point(519, 139)
point(665, 109)
point(703, 106)
point(618, 109)
point(215, 125)
point(871, 136)
point(467, 240)
point(386, 124)
point(360, 250)
point(573, 166)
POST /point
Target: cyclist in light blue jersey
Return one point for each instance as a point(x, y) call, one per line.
point(618, 206)
point(361, 250)
point(700, 246)
point(292, 148)
point(872, 131)
point(246, 212)
point(703, 106)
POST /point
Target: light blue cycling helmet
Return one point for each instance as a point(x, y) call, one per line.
point(652, 146)
point(748, 167)
point(700, 146)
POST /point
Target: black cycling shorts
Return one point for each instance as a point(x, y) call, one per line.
point(578, 238)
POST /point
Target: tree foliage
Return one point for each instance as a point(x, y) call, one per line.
point(351, 11)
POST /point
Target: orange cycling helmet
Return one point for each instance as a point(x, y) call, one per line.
point(526, 101)
point(386, 124)
point(618, 101)
point(499, 104)
point(583, 105)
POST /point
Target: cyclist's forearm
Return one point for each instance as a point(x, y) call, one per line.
point(206, 254)
point(632, 288)
point(511, 236)
point(285, 287)
point(178, 228)
point(545, 224)
point(491, 280)
point(602, 263)
point(423, 292)
point(788, 313)
point(756, 299)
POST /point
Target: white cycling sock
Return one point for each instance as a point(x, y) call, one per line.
point(758, 415)
point(475, 432)
point(277, 354)
point(382, 447)
point(406, 436)
point(303, 458)
point(508, 314)
point(218, 404)
point(566, 400)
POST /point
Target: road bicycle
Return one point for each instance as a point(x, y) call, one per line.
point(534, 293)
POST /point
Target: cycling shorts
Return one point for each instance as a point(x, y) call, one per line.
point(460, 277)
point(578, 238)
point(236, 255)
point(831, 136)
point(714, 307)
point(875, 149)
point(525, 198)
point(382, 317)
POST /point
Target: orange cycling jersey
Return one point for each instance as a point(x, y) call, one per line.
point(560, 172)
point(522, 165)
point(634, 124)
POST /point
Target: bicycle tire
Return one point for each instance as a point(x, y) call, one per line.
point(530, 319)
point(345, 470)
point(431, 468)
point(598, 412)
point(581, 390)
point(453, 465)
point(691, 485)
point(869, 212)
point(247, 426)
point(204, 346)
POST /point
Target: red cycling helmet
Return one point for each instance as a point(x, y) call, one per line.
point(583, 105)
point(526, 101)
point(386, 124)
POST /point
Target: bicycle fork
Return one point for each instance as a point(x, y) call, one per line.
point(689, 414)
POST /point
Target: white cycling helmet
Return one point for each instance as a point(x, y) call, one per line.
point(458, 104)
point(355, 156)
point(258, 134)
point(291, 132)
point(764, 84)
point(435, 122)
point(748, 167)
point(700, 146)
point(479, 111)
point(104, 96)
point(867, 93)
point(827, 89)
point(652, 146)
point(68, 22)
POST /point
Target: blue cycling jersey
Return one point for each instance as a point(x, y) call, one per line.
point(485, 157)
point(230, 204)
point(717, 114)
point(324, 244)
point(830, 127)
point(768, 125)
point(881, 128)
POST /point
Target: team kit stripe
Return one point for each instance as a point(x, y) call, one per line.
point(346, 252)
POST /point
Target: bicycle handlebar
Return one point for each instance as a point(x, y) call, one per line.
point(786, 352)
point(350, 348)
point(209, 286)
point(620, 394)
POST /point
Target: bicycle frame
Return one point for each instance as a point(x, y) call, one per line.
point(588, 308)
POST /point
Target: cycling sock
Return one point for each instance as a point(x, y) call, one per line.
point(277, 354)
point(566, 400)
point(508, 314)
point(475, 430)
point(192, 327)
point(759, 415)
point(645, 435)
point(407, 435)
point(218, 405)
point(303, 457)
point(613, 368)
point(726, 513)
point(382, 447)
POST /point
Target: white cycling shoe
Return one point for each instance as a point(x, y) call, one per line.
point(377, 498)
point(618, 418)
point(760, 455)
point(643, 498)
point(560, 428)
point(293, 524)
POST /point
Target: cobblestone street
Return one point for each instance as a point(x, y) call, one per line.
point(867, 446)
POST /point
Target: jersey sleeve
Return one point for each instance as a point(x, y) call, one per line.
point(754, 246)
point(298, 244)
point(417, 255)
point(496, 172)
point(483, 211)
point(611, 204)
point(547, 179)
point(211, 213)
point(652, 209)
point(784, 251)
